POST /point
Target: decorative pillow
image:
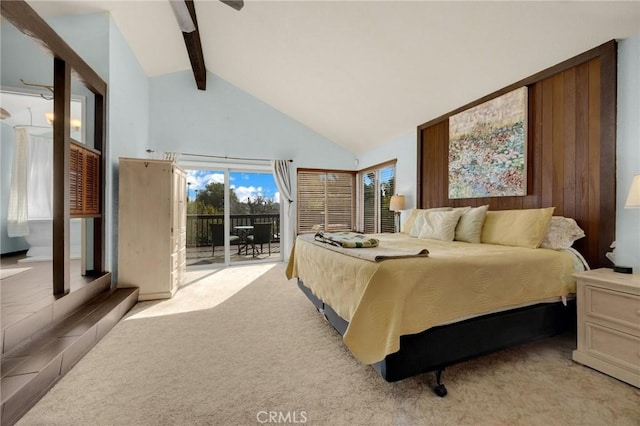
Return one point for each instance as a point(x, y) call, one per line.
point(562, 233)
point(416, 219)
point(408, 224)
point(469, 227)
point(440, 225)
point(519, 228)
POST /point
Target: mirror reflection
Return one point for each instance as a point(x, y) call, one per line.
point(26, 193)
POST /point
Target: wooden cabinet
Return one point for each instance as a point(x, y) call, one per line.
point(609, 323)
point(152, 228)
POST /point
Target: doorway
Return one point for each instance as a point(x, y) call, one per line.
point(233, 216)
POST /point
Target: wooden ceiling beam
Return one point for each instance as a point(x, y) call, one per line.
point(194, 49)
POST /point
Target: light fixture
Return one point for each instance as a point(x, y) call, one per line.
point(75, 123)
point(4, 114)
point(396, 204)
point(633, 199)
point(183, 16)
point(633, 202)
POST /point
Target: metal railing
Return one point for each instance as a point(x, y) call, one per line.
point(198, 229)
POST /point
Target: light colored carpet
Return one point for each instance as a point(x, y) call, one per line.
point(212, 361)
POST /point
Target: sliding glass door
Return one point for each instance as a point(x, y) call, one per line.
point(233, 216)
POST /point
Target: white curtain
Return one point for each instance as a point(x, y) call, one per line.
point(17, 214)
point(31, 190)
point(40, 199)
point(283, 181)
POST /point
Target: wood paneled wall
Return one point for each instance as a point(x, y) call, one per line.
point(571, 149)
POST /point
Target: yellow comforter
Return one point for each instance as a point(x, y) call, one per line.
point(387, 299)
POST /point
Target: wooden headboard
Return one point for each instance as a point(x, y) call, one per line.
point(571, 149)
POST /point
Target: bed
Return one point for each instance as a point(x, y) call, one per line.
point(411, 314)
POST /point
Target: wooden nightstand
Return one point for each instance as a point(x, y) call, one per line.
point(609, 323)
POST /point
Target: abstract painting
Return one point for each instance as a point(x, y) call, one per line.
point(488, 148)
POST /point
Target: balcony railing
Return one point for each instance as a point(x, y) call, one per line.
point(198, 229)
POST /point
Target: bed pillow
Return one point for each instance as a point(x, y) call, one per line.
point(408, 224)
point(519, 228)
point(440, 225)
point(469, 228)
point(416, 219)
point(562, 233)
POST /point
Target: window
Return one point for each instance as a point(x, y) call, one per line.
point(377, 185)
point(325, 200)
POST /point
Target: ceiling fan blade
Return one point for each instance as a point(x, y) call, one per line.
point(236, 4)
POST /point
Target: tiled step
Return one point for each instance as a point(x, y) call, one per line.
point(29, 370)
point(17, 334)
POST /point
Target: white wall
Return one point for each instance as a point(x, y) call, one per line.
point(404, 148)
point(128, 128)
point(627, 250)
point(224, 120)
point(88, 36)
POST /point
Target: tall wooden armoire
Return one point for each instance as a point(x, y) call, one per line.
point(152, 209)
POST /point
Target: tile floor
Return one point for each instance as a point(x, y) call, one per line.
point(26, 288)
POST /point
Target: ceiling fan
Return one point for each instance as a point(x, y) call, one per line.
point(236, 4)
point(185, 20)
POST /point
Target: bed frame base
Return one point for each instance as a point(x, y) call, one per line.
point(442, 346)
point(439, 388)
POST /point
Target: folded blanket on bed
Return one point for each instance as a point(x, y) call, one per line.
point(372, 254)
point(346, 239)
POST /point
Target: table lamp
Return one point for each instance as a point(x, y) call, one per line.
point(397, 204)
point(633, 202)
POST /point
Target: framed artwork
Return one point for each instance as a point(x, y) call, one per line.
point(488, 148)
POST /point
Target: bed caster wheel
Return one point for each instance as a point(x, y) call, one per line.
point(440, 390)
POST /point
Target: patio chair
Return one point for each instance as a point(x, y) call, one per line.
point(262, 233)
point(217, 237)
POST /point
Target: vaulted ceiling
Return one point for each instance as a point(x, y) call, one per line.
point(364, 72)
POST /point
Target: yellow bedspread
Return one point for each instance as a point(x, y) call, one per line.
point(387, 299)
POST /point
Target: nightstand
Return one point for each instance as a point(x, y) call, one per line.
point(609, 323)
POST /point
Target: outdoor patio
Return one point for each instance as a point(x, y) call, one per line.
point(203, 255)
point(200, 237)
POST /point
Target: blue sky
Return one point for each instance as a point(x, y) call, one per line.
point(244, 184)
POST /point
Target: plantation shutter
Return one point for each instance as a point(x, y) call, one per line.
point(84, 182)
point(369, 189)
point(325, 201)
point(387, 189)
point(378, 184)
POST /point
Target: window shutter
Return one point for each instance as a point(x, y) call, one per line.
point(377, 185)
point(369, 185)
point(387, 189)
point(325, 201)
point(84, 181)
point(75, 179)
point(340, 190)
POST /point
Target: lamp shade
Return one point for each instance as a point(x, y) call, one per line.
point(633, 199)
point(397, 203)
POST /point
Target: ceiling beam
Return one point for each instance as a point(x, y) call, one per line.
point(194, 49)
